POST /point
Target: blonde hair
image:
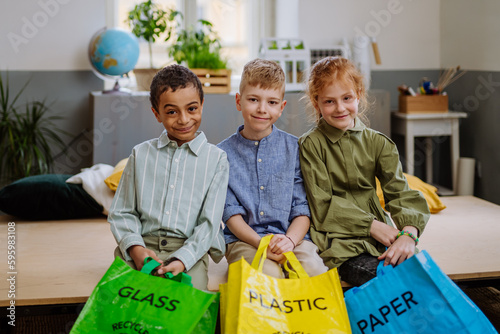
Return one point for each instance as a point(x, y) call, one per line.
point(266, 74)
point(327, 70)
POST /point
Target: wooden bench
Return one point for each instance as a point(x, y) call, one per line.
point(60, 262)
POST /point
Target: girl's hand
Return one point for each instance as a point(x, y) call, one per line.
point(280, 244)
point(139, 253)
point(383, 233)
point(403, 248)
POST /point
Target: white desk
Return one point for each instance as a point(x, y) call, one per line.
point(428, 125)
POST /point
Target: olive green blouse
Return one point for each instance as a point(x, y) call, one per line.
point(339, 170)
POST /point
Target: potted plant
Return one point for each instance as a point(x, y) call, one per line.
point(27, 139)
point(150, 22)
point(199, 49)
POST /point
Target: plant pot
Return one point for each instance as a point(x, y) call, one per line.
point(143, 77)
point(214, 81)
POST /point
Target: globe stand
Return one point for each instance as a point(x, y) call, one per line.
point(117, 90)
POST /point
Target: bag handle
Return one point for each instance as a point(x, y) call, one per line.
point(383, 270)
point(150, 264)
point(181, 278)
point(297, 271)
point(261, 254)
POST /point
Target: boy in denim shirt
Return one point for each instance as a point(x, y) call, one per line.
point(266, 193)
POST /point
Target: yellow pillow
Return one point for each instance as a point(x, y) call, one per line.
point(429, 192)
point(113, 180)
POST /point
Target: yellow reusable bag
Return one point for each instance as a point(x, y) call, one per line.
point(252, 302)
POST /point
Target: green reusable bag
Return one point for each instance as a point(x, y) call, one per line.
point(131, 301)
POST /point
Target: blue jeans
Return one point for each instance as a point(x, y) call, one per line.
point(359, 269)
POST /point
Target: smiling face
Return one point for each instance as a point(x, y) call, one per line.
point(180, 113)
point(260, 109)
point(338, 104)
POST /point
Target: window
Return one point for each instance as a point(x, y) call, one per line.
point(239, 24)
point(159, 49)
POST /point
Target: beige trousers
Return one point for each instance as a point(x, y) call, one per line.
point(306, 252)
point(163, 247)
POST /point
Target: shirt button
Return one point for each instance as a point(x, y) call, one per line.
point(262, 213)
point(256, 143)
point(167, 213)
point(260, 160)
point(261, 187)
point(164, 242)
point(172, 186)
point(176, 160)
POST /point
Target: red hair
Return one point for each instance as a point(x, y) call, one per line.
point(330, 69)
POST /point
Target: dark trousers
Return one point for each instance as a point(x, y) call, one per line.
point(359, 269)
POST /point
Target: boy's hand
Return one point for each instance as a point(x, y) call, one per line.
point(139, 253)
point(174, 267)
point(280, 244)
point(280, 258)
point(383, 233)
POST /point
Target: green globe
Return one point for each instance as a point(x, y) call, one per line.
point(113, 52)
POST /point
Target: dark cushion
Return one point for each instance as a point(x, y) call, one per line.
point(47, 197)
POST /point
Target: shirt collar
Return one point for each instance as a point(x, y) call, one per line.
point(335, 134)
point(194, 145)
point(252, 142)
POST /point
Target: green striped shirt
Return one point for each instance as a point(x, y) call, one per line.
point(172, 191)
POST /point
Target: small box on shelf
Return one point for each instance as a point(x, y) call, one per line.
point(423, 104)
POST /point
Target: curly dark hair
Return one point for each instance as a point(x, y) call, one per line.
point(173, 77)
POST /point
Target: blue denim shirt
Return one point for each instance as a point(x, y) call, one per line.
point(265, 182)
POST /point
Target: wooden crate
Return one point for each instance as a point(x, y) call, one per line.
point(423, 104)
point(214, 81)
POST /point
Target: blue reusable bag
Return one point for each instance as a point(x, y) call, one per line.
point(413, 297)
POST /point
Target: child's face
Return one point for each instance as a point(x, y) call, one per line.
point(180, 113)
point(338, 104)
point(260, 109)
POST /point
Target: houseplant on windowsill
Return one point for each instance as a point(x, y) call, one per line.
point(27, 139)
point(199, 49)
point(151, 23)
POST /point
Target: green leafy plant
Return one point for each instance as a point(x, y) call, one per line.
point(149, 22)
point(198, 47)
point(27, 138)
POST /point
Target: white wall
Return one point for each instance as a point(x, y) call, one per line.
point(407, 31)
point(286, 18)
point(48, 34)
point(470, 34)
point(425, 34)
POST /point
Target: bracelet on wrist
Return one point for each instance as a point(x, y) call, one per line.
point(293, 243)
point(409, 235)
